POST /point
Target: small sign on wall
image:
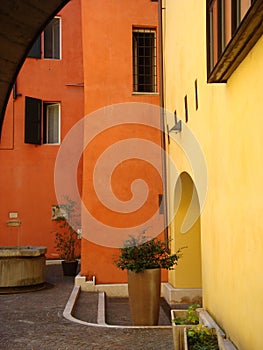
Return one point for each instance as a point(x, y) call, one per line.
point(13, 219)
point(13, 215)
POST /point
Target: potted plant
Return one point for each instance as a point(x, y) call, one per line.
point(183, 319)
point(200, 338)
point(67, 240)
point(143, 258)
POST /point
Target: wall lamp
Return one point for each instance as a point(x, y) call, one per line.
point(177, 125)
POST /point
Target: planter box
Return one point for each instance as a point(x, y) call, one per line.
point(205, 319)
point(223, 344)
point(178, 329)
point(215, 332)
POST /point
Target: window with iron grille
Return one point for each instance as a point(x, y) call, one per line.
point(144, 60)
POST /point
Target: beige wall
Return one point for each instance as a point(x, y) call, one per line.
point(228, 125)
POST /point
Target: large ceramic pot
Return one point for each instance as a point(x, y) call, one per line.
point(144, 296)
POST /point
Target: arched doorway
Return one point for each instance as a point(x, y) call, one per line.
point(185, 231)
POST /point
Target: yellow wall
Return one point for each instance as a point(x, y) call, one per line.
point(228, 124)
point(188, 272)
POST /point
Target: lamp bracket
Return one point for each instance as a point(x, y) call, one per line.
point(177, 124)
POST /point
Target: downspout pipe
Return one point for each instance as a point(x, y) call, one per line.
point(162, 116)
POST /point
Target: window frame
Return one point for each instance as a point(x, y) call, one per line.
point(46, 133)
point(59, 57)
point(135, 62)
point(36, 124)
point(38, 48)
point(242, 41)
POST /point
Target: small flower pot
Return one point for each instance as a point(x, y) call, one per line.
point(70, 267)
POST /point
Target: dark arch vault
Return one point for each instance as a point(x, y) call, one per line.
point(21, 21)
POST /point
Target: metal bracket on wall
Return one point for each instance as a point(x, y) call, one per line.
point(177, 125)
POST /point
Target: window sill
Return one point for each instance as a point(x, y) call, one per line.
point(246, 36)
point(145, 93)
point(52, 59)
point(51, 144)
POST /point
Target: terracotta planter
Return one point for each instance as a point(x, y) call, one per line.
point(144, 296)
point(69, 267)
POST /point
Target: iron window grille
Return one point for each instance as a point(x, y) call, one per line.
point(144, 60)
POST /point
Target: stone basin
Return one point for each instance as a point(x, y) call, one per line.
point(22, 266)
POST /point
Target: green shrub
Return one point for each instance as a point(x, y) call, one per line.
point(67, 242)
point(140, 253)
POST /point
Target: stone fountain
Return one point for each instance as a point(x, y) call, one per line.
point(22, 266)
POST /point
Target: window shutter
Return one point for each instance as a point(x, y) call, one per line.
point(35, 51)
point(33, 107)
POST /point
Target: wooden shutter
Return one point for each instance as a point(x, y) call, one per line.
point(35, 51)
point(33, 108)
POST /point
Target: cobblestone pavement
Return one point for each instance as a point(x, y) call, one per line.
point(34, 320)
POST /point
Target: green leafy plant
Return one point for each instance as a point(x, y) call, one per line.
point(67, 240)
point(141, 253)
point(191, 316)
point(202, 338)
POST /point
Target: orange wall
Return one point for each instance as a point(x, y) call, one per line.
point(107, 59)
point(107, 49)
point(27, 171)
point(104, 30)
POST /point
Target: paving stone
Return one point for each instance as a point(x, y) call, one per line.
point(35, 321)
point(87, 307)
point(118, 312)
